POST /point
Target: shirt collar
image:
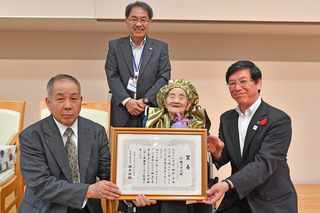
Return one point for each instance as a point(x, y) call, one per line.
point(251, 109)
point(62, 128)
point(142, 43)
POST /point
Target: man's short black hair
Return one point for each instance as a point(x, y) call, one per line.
point(141, 4)
point(254, 70)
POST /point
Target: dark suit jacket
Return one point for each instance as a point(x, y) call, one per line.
point(262, 174)
point(45, 167)
point(154, 73)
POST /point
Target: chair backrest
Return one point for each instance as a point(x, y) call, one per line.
point(97, 111)
point(11, 124)
point(11, 120)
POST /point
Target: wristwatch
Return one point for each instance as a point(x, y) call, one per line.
point(228, 183)
point(146, 100)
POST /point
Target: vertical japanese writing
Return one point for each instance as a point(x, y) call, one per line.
point(165, 166)
point(134, 164)
point(181, 166)
point(152, 165)
point(130, 165)
point(156, 165)
point(148, 165)
point(173, 171)
point(188, 162)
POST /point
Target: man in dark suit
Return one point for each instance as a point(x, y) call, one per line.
point(254, 138)
point(136, 67)
point(60, 169)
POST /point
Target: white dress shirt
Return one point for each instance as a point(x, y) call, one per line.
point(137, 54)
point(62, 128)
point(244, 120)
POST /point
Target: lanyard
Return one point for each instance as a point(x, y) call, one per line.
point(135, 65)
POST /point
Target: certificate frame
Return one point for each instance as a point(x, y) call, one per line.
point(188, 182)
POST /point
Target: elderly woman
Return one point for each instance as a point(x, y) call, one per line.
point(178, 98)
point(177, 102)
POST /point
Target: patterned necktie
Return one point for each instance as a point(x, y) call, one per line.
point(72, 156)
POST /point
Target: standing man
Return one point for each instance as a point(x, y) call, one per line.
point(136, 67)
point(62, 155)
point(254, 137)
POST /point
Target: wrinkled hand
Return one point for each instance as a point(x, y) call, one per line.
point(103, 189)
point(215, 193)
point(142, 200)
point(135, 107)
point(215, 146)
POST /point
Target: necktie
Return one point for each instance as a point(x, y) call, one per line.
point(72, 156)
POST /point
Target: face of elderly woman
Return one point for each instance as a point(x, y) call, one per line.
point(176, 102)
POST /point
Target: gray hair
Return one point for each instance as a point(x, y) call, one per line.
point(59, 77)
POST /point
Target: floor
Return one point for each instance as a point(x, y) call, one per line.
point(308, 198)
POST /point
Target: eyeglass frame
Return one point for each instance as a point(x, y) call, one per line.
point(136, 21)
point(242, 83)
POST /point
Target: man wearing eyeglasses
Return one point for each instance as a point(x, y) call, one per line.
point(254, 137)
point(137, 66)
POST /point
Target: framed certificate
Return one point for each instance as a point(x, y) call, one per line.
point(163, 164)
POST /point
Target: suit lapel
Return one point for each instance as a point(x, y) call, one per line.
point(84, 148)
point(55, 144)
point(234, 135)
point(258, 116)
point(147, 52)
point(127, 54)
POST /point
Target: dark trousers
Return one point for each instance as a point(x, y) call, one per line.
point(199, 208)
point(134, 121)
point(84, 210)
point(240, 206)
point(165, 207)
point(170, 207)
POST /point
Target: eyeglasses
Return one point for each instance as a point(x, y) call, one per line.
point(241, 83)
point(135, 21)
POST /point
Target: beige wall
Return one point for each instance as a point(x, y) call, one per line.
point(258, 10)
point(290, 66)
point(47, 8)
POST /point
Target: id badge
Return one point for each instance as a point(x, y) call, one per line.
point(132, 84)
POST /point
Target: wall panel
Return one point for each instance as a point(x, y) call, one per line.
point(47, 8)
point(245, 10)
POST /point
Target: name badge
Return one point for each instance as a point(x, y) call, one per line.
point(132, 84)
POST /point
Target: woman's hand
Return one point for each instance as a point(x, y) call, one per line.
point(142, 200)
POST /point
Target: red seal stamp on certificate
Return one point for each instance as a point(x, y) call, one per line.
point(129, 181)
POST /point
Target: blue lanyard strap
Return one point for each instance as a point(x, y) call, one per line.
point(135, 65)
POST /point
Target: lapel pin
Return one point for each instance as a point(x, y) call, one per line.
point(255, 127)
point(263, 122)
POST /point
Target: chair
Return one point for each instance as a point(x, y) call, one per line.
point(11, 124)
point(97, 111)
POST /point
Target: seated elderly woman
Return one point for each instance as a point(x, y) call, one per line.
point(177, 102)
point(177, 109)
